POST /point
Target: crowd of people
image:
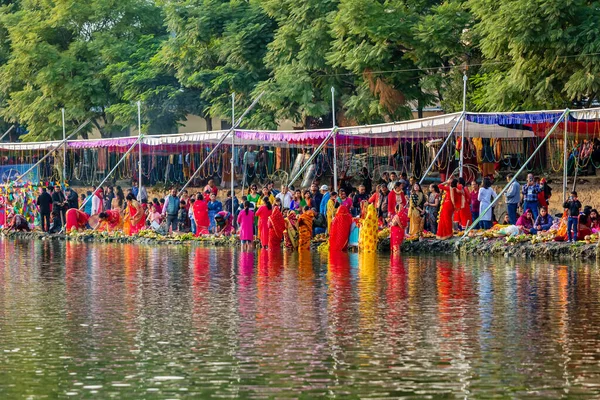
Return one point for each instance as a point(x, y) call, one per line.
point(292, 217)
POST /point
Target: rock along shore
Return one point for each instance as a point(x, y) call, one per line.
point(472, 246)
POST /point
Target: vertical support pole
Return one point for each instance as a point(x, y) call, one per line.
point(565, 158)
point(139, 107)
point(461, 162)
point(335, 177)
point(62, 110)
point(232, 156)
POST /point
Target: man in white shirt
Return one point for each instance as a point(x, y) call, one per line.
point(285, 196)
point(392, 182)
point(142, 194)
point(96, 203)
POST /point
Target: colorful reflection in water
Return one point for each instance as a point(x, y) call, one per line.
point(134, 321)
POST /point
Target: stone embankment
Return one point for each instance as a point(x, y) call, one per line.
point(472, 246)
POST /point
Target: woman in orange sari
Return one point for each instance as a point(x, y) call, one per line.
point(135, 213)
point(200, 211)
point(448, 189)
point(276, 228)
point(305, 228)
point(110, 220)
point(340, 229)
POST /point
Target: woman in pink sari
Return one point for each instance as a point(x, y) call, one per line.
point(263, 213)
point(245, 221)
point(201, 215)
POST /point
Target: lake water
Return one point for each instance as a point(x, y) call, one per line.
point(127, 321)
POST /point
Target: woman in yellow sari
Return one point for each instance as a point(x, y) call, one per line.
point(305, 229)
point(331, 210)
point(367, 239)
point(290, 235)
point(416, 211)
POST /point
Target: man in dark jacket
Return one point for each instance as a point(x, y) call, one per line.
point(44, 201)
point(72, 198)
point(59, 202)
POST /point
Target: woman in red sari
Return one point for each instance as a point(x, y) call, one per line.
point(136, 216)
point(398, 225)
point(110, 220)
point(276, 225)
point(263, 213)
point(464, 213)
point(76, 219)
point(201, 215)
point(340, 229)
point(448, 189)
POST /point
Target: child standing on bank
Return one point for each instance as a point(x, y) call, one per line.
point(573, 207)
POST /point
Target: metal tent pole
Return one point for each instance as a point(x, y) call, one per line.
point(88, 198)
point(564, 114)
point(334, 130)
point(461, 117)
point(461, 162)
point(64, 170)
point(239, 121)
point(7, 132)
point(232, 156)
point(312, 157)
point(565, 159)
point(76, 131)
point(139, 141)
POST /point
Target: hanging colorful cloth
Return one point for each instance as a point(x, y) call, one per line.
point(367, 240)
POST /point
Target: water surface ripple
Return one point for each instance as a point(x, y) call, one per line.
point(125, 321)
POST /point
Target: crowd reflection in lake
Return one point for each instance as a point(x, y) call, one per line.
point(276, 322)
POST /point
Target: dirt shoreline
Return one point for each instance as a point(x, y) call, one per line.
point(473, 246)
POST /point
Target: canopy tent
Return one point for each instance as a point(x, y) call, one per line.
point(477, 125)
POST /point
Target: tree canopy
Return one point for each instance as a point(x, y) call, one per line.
point(383, 57)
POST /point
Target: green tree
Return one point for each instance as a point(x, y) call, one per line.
point(299, 87)
point(59, 52)
point(145, 77)
point(217, 48)
point(538, 55)
point(446, 44)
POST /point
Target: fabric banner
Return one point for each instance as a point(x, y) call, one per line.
point(9, 174)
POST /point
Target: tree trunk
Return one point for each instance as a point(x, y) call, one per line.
point(97, 125)
point(209, 124)
point(419, 108)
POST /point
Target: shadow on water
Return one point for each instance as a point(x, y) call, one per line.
point(132, 321)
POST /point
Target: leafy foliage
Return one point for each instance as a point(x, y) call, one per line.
point(537, 54)
point(383, 57)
